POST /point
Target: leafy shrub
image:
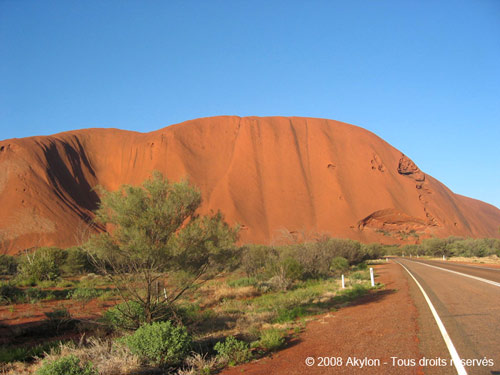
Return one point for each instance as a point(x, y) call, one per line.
point(348, 249)
point(339, 264)
point(373, 250)
point(69, 365)
point(284, 270)
point(253, 259)
point(160, 343)
point(43, 264)
point(8, 265)
point(126, 315)
point(233, 351)
point(9, 293)
point(271, 339)
point(77, 262)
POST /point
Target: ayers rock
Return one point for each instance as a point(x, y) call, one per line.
point(268, 174)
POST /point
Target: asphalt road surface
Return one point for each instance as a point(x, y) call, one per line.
point(469, 309)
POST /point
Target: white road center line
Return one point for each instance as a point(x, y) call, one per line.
point(460, 273)
point(449, 344)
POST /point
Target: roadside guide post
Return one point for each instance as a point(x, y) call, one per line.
point(371, 277)
point(343, 282)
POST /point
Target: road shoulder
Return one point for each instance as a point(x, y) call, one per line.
point(379, 327)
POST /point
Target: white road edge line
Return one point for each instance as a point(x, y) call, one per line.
point(463, 274)
point(449, 344)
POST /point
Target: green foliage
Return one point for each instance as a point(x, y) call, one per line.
point(233, 351)
point(284, 271)
point(322, 258)
point(58, 314)
point(8, 265)
point(126, 315)
point(339, 264)
point(156, 230)
point(68, 365)
point(253, 259)
point(12, 294)
point(77, 262)
point(358, 290)
point(85, 294)
point(191, 313)
point(453, 246)
point(244, 281)
point(9, 293)
point(271, 339)
point(43, 264)
point(360, 275)
point(372, 250)
point(290, 314)
point(160, 343)
point(25, 353)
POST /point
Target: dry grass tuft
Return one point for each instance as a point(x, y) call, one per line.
point(199, 364)
point(16, 368)
point(107, 357)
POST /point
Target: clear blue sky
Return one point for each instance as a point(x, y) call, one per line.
point(424, 75)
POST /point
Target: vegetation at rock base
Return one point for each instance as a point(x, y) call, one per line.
point(168, 281)
point(157, 232)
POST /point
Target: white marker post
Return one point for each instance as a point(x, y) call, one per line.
point(371, 277)
point(343, 282)
point(387, 260)
point(444, 258)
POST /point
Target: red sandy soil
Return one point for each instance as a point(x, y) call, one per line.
point(379, 326)
point(33, 314)
point(265, 173)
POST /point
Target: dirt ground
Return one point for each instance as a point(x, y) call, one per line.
point(362, 336)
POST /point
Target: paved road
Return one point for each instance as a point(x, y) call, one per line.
point(469, 309)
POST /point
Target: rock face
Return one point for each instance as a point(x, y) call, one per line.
point(268, 174)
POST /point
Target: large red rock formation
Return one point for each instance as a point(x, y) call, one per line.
point(269, 174)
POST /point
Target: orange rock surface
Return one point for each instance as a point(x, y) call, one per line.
point(268, 174)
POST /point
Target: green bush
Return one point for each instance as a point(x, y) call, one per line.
point(126, 315)
point(77, 262)
point(69, 365)
point(8, 265)
point(233, 351)
point(160, 343)
point(43, 264)
point(373, 250)
point(271, 339)
point(283, 271)
point(339, 264)
point(253, 259)
point(9, 293)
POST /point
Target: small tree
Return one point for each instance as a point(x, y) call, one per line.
point(154, 231)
